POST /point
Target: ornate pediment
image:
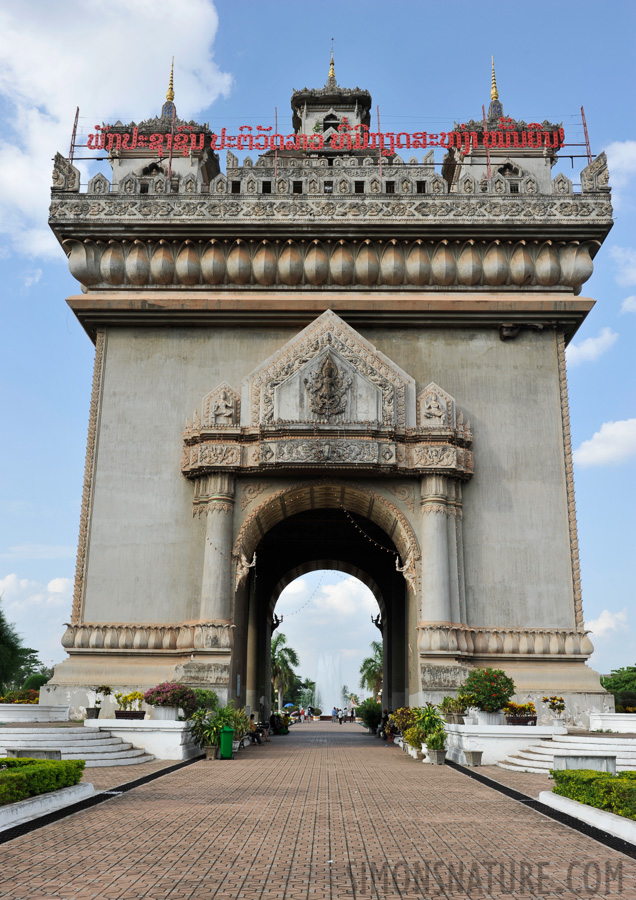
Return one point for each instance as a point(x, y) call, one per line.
point(329, 374)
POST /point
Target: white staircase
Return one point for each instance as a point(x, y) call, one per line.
point(98, 748)
point(539, 757)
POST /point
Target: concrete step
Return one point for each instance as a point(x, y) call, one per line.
point(539, 758)
point(97, 748)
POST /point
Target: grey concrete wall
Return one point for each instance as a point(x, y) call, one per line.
point(145, 558)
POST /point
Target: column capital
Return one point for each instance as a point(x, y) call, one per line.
point(214, 493)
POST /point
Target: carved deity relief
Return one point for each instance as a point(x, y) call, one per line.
point(327, 388)
point(435, 408)
point(220, 407)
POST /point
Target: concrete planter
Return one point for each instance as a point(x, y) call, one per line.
point(92, 712)
point(437, 757)
point(489, 718)
point(558, 722)
point(32, 712)
point(473, 757)
point(496, 742)
point(166, 713)
point(130, 714)
point(165, 740)
point(620, 723)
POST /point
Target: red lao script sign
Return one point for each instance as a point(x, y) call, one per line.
point(357, 137)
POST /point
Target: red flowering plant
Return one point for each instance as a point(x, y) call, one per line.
point(21, 696)
point(171, 694)
point(487, 689)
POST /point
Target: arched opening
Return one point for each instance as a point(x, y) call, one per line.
point(322, 525)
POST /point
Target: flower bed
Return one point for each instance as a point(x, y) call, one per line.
point(612, 793)
point(23, 778)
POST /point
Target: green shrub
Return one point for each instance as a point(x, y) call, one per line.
point(488, 689)
point(23, 778)
point(206, 699)
point(370, 713)
point(436, 740)
point(613, 793)
point(34, 682)
point(415, 736)
point(428, 718)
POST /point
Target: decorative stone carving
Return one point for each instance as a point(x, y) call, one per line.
point(435, 457)
point(87, 487)
point(98, 184)
point(404, 265)
point(467, 641)
point(320, 451)
point(561, 184)
point(221, 407)
point(243, 566)
point(65, 176)
point(435, 408)
point(595, 177)
point(379, 389)
point(250, 492)
point(203, 636)
point(327, 387)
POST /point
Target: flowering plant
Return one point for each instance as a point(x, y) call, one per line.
point(102, 691)
point(403, 719)
point(415, 736)
point(130, 701)
point(171, 694)
point(520, 709)
point(489, 689)
point(21, 696)
point(556, 704)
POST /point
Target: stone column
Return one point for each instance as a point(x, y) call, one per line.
point(436, 581)
point(216, 584)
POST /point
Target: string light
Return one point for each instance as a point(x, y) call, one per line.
point(307, 602)
point(364, 534)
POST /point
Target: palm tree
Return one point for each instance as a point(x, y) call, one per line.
point(371, 669)
point(283, 658)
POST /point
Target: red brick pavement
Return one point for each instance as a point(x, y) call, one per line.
point(327, 812)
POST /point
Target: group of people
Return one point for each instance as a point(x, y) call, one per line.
point(341, 715)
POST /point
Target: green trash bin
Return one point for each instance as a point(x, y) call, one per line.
point(227, 737)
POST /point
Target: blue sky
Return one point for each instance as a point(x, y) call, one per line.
point(234, 63)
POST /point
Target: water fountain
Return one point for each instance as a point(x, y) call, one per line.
point(328, 682)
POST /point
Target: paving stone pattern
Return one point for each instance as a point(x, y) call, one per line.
point(327, 812)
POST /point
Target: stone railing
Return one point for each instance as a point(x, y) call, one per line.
point(186, 637)
point(464, 640)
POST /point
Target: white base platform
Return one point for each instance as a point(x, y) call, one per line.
point(619, 826)
point(33, 807)
point(619, 723)
point(495, 741)
point(163, 739)
point(33, 712)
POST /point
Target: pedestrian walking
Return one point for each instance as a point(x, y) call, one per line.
point(334, 714)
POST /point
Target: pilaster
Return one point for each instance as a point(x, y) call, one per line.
point(215, 497)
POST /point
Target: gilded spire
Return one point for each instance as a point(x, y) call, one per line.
point(494, 93)
point(170, 91)
point(332, 71)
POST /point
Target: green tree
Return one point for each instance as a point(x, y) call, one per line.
point(283, 658)
point(620, 680)
point(371, 669)
point(10, 653)
point(349, 695)
point(29, 664)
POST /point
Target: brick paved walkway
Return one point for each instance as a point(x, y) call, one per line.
point(327, 812)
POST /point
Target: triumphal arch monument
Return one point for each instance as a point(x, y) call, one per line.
point(337, 355)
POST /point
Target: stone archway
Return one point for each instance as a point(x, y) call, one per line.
point(316, 525)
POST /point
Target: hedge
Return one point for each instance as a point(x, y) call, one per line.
point(22, 778)
point(613, 793)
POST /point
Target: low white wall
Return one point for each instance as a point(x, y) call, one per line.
point(34, 807)
point(621, 723)
point(619, 826)
point(32, 712)
point(163, 738)
point(495, 741)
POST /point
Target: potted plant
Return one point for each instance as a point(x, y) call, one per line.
point(370, 713)
point(520, 713)
point(415, 736)
point(205, 726)
point(317, 714)
point(436, 746)
point(101, 692)
point(453, 709)
point(168, 698)
point(130, 705)
point(555, 705)
point(489, 690)
point(241, 725)
point(206, 699)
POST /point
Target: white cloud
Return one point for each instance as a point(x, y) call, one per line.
point(347, 598)
point(629, 304)
point(32, 278)
point(591, 348)
point(38, 612)
point(621, 160)
point(606, 623)
point(615, 442)
point(52, 63)
point(625, 258)
point(39, 551)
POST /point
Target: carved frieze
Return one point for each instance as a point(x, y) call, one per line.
point(321, 451)
point(435, 408)
point(595, 177)
point(222, 406)
point(465, 640)
point(345, 263)
point(203, 636)
point(65, 176)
